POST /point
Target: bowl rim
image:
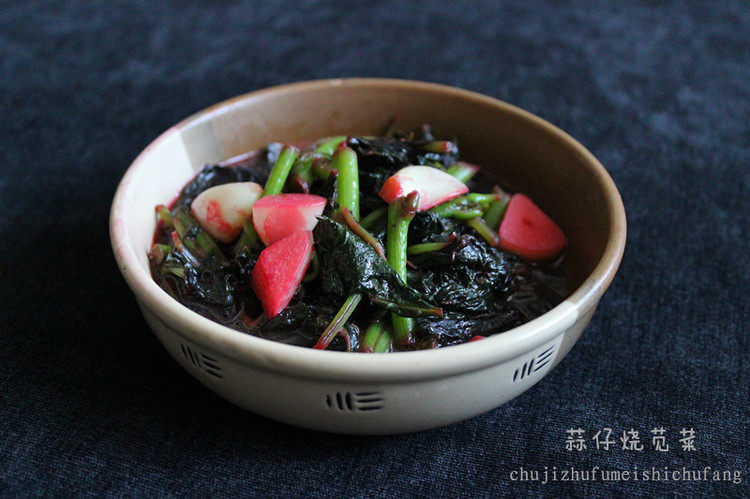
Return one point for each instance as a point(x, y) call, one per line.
point(355, 367)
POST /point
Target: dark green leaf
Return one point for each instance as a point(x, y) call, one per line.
point(349, 265)
point(467, 275)
point(205, 286)
point(457, 328)
point(427, 227)
point(300, 323)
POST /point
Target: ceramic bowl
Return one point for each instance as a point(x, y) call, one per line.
point(375, 393)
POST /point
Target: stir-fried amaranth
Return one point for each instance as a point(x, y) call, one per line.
point(363, 244)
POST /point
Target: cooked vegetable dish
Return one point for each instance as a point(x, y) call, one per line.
point(360, 244)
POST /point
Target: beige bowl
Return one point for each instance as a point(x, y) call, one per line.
point(361, 393)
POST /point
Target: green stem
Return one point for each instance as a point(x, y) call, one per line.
point(440, 146)
point(321, 168)
point(376, 338)
point(418, 249)
point(479, 198)
point(383, 343)
point(175, 271)
point(414, 310)
point(249, 237)
point(207, 243)
point(345, 162)
point(176, 241)
point(159, 252)
point(458, 212)
point(330, 145)
point(463, 171)
point(192, 235)
point(346, 310)
point(165, 215)
point(465, 207)
point(301, 176)
point(372, 217)
point(363, 234)
point(347, 182)
point(484, 230)
point(391, 129)
point(280, 171)
point(496, 211)
point(400, 213)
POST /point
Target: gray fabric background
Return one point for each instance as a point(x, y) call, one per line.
point(659, 92)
